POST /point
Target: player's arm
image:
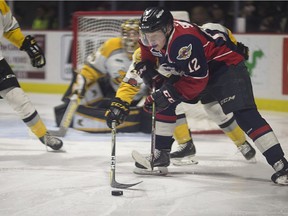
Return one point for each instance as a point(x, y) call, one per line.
point(13, 33)
point(188, 54)
point(93, 69)
point(129, 87)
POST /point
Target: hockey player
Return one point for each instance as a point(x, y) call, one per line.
point(100, 76)
point(10, 89)
point(173, 122)
point(205, 59)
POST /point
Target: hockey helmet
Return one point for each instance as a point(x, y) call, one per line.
point(130, 35)
point(155, 19)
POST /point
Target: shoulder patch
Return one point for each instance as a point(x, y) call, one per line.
point(184, 52)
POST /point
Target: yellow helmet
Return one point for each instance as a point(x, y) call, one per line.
point(130, 35)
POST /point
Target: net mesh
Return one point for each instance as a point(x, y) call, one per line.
point(94, 30)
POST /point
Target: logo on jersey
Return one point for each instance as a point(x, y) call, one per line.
point(184, 52)
point(132, 82)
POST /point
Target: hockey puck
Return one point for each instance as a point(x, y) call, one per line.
point(117, 192)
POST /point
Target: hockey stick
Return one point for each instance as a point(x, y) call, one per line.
point(153, 128)
point(113, 181)
point(67, 117)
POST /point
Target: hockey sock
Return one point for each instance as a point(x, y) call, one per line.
point(233, 131)
point(261, 133)
point(226, 122)
point(22, 105)
point(182, 133)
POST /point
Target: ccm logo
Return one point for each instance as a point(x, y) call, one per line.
point(168, 96)
point(225, 100)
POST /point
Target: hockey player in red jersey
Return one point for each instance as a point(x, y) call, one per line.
point(204, 62)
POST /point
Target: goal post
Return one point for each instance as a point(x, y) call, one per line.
point(92, 28)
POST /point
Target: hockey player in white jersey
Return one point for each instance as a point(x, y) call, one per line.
point(10, 89)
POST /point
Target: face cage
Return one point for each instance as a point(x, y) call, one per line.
point(130, 44)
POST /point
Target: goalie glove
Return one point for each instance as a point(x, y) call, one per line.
point(162, 97)
point(117, 112)
point(35, 53)
point(149, 75)
point(79, 86)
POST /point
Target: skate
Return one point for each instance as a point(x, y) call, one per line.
point(247, 150)
point(281, 175)
point(51, 141)
point(160, 163)
point(184, 154)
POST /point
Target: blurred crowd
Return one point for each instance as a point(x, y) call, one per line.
point(260, 16)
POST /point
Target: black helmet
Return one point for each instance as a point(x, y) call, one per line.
point(155, 18)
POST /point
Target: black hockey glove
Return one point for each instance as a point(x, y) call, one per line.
point(34, 51)
point(244, 50)
point(162, 97)
point(118, 112)
point(149, 75)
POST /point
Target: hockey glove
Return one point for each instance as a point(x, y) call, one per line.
point(117, 112)
point(244, 50)
point(162, 97)
point(79, 86)
point(149, 75)
point(34, 51)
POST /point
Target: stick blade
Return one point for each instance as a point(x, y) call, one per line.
point(115, 184)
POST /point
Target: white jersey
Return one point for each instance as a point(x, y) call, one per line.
point(112, 60)
point(7, 21)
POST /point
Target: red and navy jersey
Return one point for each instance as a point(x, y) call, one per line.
point(190, 51)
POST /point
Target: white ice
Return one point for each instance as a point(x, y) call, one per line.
point(34, 182)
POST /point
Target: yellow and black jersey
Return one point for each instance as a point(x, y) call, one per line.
point(109, 60)
point(9, 27)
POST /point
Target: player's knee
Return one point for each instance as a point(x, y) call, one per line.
point(215, 112)
point(19, 101)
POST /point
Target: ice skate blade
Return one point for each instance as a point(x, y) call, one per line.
point(252, 160)
point(282, 180)
point(158, 171)
point(186, 161)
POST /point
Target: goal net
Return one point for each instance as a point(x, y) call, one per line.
point(92, 28)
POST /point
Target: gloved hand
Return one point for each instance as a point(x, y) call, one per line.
point(79, 86)
point(162, 97)
point(117, 112)
point(149, 75)
point(34, 51)
point(244, 50)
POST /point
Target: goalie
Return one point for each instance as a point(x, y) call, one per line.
point(10, 88)
point(98, 80)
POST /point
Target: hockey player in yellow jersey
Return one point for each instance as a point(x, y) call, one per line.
point(10, 89)
point(178, 125)
point(99, 78)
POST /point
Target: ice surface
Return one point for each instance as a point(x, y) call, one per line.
point(76, 182)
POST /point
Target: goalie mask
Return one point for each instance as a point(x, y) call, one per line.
point(130, 35)
point(156, 25)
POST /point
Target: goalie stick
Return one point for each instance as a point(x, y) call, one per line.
point(113, 182)
point(67, 117)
